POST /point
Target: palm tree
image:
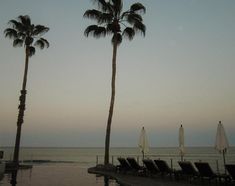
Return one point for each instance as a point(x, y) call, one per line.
point(28, 35)
point(111, 20)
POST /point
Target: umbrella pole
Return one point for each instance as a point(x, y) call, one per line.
point(224, 161)
point(143, 153)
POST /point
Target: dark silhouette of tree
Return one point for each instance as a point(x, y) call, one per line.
point(28, 35)
point(111, 20)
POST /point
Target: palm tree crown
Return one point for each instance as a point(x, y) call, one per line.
point(23, 32)
point(111, 20)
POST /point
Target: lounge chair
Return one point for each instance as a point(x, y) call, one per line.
point(163, 167)
point(140, 170)
point(150, 166)
point(134, 164)
point(205, 170)
point(188, 170)
point(231, 170)
point(124, 165)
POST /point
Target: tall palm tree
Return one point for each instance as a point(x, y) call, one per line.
point(112, 20)
point(26, 34)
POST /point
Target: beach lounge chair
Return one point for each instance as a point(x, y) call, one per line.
point(231, 170)
point(124, 165)
point(136, 168)
point(163, 167)
point(134, 164)
point(188, 170)
point(150, 166)
point(206, 172)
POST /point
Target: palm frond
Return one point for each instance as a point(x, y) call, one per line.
point(47, 44)
point(140, 27)
point(93, 14)
point(42, 43)
point(31, 51)
point(40, 30)
point(90, 29)
point(18, 42)
point(39, 43)
point(96, 31)
point(11, 33)
point(137, 7)
point(117, 6)
point(133, 17)
point(16, 25)
point(125, 14)
point(117, 38)
point(25, 20)
point(103, 5)
point(129, 33)
point(21, 35)
point(105, 18)
point(110, 28)
point(100, 2)
point(110, 8)
point(100, 32)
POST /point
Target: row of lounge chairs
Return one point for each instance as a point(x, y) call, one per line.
point(201, 170)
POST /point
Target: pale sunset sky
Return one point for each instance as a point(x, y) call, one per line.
point(183, 70)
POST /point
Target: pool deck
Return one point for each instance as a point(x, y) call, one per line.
point(74, 175)
point(127, 179)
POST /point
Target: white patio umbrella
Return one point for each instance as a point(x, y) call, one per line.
point(221, 141)
point(143, 142)
point(181, 142)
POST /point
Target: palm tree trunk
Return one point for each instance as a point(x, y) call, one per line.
point(21, 108)
point(109, 122)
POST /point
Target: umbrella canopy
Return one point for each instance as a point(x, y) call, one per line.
point(221, 141)
point(181, 142)
point(143, 142)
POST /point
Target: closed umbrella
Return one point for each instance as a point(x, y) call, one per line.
point(221, 142)
point(143, 142)
point(181, 142)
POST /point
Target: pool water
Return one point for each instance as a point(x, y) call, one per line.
point(57, 175)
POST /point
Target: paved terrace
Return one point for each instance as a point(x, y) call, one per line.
point(135, 180)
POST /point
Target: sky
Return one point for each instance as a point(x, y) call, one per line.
point(183, 70)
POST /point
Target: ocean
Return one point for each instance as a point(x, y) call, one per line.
point(68, 166)
point(87, 157)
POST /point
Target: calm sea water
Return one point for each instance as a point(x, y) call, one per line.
point(68, 166)
point(87, 157)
